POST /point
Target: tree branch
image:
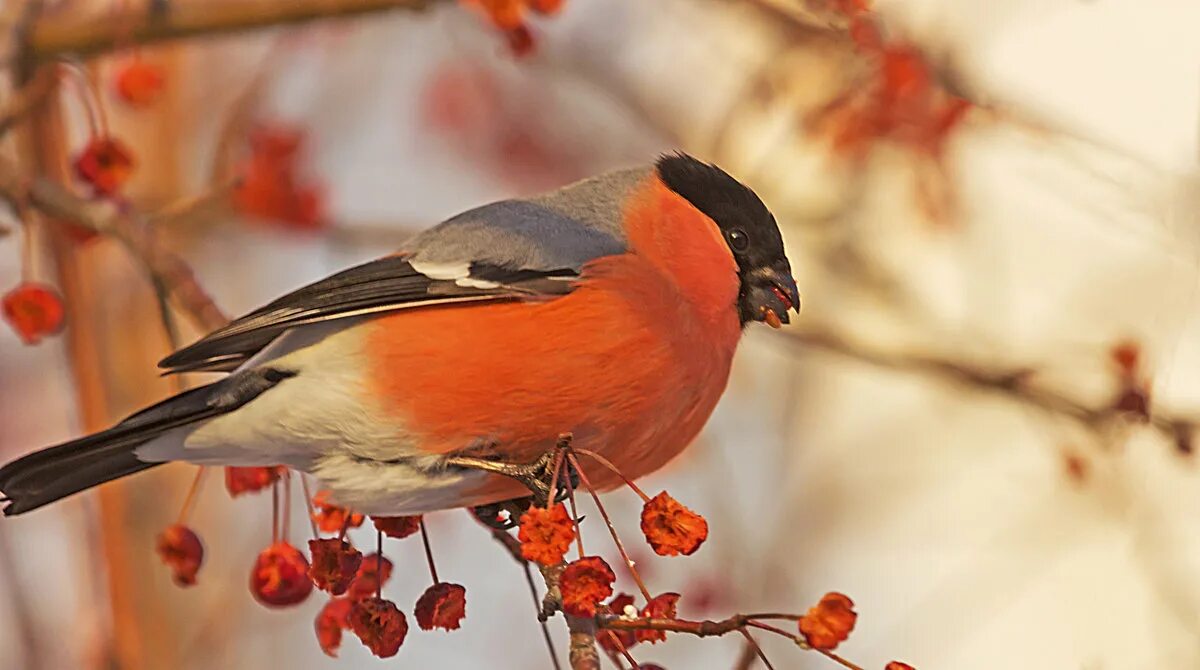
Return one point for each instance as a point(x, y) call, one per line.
point(1013, 384)
point(165, 269)
point(53, 37)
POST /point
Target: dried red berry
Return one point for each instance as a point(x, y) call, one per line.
point(181, 550)
point(672, 529)
point(334, 564)
point(140, 82)
point(398, 527)
point(280, 576)
point(443, 605)
point(379, 624)
point(332, 518)
point(240, 480)
point(331, 621)
point(613, 641)
point(897, 665)
point(829, 622)
point(34, 311)
point(585, 583)
point(546, 534)
point(373, 573)
point(106, 164)
point(661, 606)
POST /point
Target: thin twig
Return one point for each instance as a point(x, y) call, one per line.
point(1013, 384)
point(312, 521)
point(513, 546)
point(379, 564)
point(22, 102)
point(58, 203)
point(428, 551)
point(190, 501)
point(608, 522)
point(615, 470)
point(758, 651)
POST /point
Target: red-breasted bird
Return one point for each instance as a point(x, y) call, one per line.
point(609, 310)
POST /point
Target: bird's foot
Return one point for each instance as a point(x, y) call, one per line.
point(535, 476)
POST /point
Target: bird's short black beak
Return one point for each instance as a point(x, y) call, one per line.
point(768, 294)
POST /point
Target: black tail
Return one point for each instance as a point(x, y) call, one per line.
point(56, 472)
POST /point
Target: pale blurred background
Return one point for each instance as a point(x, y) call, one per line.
point(972, 528)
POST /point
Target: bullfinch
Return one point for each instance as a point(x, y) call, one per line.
point(608, 310)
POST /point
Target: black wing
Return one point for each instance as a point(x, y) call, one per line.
point(382, 285)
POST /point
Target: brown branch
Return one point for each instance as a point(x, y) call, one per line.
point(26, 99)
point(165, 268)
point(513, 546)
point(583, 652)
point(1015, 385)
point(71, 34)
point(738, 623)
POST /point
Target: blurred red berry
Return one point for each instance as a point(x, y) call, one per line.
point(280, 576)
point(398, 527)
point(545, 6)
point(546, 534)
point(1127, 355)
point(34, 311)
point(672, 529)
point(105, 164)
point(332, 518)
point(334, 564)
point(139, 82)
point(240, 480)
point(373, 573)
point(897, 665)
point(829, 622)
point(271, 187)
point(662, 606)
point(504, 14)
point(379, 624)
point(331, 621)
point(520, 41)
point(585, 583)
point(181, 550)
point(443, 605)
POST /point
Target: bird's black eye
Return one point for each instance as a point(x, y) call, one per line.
point(739, 241)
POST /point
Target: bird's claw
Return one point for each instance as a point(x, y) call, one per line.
point(534, 476)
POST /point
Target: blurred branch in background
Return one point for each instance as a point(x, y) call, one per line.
point(165, 268)
point(70, 34)
point(1132, 402)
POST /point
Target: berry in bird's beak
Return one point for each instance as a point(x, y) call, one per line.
point(768, 294)
point(771, 318)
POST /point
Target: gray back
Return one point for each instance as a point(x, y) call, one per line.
point(562, 229)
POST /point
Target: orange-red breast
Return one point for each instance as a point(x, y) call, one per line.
point(609, 309)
